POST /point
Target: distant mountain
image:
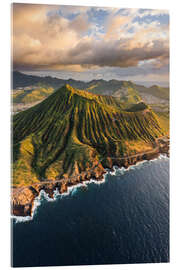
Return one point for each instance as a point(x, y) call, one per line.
point(152, 95)
point(72, 130)
point(158, 91)
point(23, 80)
point(31, 95)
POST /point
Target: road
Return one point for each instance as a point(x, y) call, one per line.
point(153, 150)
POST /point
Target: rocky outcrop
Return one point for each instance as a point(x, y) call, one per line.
point(22, 200)
point(23, 197)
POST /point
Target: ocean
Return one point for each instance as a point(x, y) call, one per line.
point(124, 220)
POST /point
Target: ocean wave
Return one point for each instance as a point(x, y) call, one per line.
point(121, 171)
point(36, 204)
point(56, 195)
point(73, 189)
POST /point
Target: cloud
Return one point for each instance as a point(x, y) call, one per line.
point(67, 11)
point(40, 36)
point(44, 39)
point(139, 12)
point(152, 12)
point(115, 25)
point(80, 24)
point(119, 53)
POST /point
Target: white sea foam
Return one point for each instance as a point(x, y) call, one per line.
point(72, 189)
point(36, 204)
point(121, 171)
point(19, 219)
point(44, 196)
point(161, 156)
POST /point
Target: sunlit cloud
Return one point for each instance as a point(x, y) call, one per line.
point(72, 38)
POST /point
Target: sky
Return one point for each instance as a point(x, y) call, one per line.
point(87, 43)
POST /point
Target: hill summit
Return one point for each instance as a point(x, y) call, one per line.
point(73, 131)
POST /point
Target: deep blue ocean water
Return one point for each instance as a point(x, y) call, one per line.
point(123, 220)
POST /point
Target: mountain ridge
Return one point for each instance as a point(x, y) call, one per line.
point(126, 92)
point(71, 128)
point(73, 136)
point(20, 79)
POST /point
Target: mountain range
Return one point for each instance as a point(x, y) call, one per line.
point(112, 87)
point(28, 90)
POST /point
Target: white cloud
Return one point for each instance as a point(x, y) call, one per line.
point(42, 39)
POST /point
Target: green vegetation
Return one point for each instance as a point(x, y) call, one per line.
point(163, 118)
point(30, 96)
point(158, 91)
point(102, 87)
point(127, 90)
point(72, 129)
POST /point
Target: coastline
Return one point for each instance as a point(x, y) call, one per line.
point(25, 203)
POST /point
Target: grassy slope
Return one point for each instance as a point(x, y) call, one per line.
point(130, 94)
point(71, 129)
point(158, 91)
point(112, 86)
point(30, 96)
point(163, 118)
point(95, 86)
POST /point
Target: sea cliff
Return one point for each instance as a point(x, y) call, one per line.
point(72, 137)
point(22, 199)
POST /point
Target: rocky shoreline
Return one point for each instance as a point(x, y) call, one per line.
point(22, 199)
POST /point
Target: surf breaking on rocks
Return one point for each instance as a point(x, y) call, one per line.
point(116, 171)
